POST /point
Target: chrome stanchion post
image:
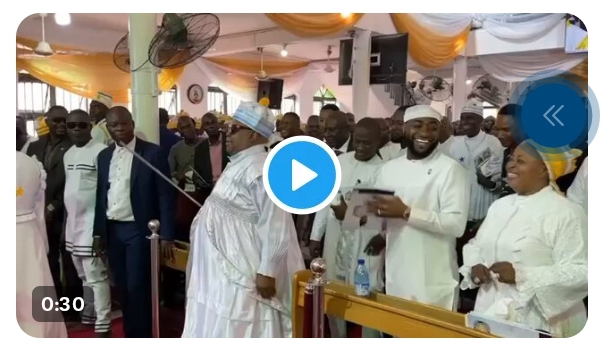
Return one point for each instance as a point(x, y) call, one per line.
point(318, 268)
point(154, 228)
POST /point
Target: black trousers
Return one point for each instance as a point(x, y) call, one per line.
point(129, 256)
point(467, 298)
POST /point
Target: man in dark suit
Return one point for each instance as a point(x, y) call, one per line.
point(337, 132)
point(129, 195)
point(49, 150)
point(210, 156)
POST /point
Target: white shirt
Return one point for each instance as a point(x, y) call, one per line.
point(420, 259)
point(579, 191)
point(391, 151)
point(119, 175)
point(345, 146)
point(445, 147)
point(471, 153)
point(26, 145)
point(544, 237)
point(81, 169)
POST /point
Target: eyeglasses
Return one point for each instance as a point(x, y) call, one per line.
point(81, 125)
point(233, 129)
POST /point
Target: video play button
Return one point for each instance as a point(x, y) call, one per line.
point(302, 175)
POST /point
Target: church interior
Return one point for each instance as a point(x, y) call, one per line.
point(184, 79)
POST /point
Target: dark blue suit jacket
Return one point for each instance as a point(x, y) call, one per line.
point(151, 196)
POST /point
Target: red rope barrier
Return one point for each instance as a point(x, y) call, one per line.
point(307, 327)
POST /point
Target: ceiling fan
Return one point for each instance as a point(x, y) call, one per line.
point(262, 75)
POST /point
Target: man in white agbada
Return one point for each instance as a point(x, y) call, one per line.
point(471, 150)
point(244, 249)
point(80, 164)
point(529, 258)
point(343, 248)
point(426, 215)
point(476, 151)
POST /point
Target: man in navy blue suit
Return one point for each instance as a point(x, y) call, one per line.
point(129, 195)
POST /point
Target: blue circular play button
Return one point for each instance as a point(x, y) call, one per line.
point(555, 113)
point(302, 175)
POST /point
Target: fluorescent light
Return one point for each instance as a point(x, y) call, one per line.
point(468, 82)
point(284, 52)
point(62, 19)
point(345, 15)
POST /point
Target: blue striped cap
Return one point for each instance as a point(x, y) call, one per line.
point(257, 117)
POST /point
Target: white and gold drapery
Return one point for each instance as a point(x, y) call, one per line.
point(516, 67)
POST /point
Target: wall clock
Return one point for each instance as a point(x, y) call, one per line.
point(195, 94)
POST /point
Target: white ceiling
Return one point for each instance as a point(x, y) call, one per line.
point(230, 23)
point(240, 33)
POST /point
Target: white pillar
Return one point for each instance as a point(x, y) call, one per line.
point(361, 73)
point(460, 92)
point(142, 28)
point(17, 93)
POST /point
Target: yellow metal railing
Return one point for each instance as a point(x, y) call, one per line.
point(394, 316)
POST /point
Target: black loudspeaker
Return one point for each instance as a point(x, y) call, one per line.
point(273, 90)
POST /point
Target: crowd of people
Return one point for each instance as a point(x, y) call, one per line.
point(478, 221)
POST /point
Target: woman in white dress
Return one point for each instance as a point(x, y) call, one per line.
point(32, 247)
point(529, 258)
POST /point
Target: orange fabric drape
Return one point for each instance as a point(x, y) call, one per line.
point(253, 66)
point(315, 25)
point(83, 73)
point(429, 49)
point(237, 72)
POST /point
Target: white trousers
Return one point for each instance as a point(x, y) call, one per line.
point(97, 303)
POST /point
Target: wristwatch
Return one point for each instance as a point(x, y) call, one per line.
point(50, 208)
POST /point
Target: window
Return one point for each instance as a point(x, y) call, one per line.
point(489, 110)
point(321, 98)
point(33, 99)
point(224, 103)
point(169, 101)
point(71, 101)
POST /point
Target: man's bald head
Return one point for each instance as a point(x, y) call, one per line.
point(313, 129)
point(337, 129)
point(120, 124)
point(340, 118)
point(290, 125)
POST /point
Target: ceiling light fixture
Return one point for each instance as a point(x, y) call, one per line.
point(62, 19)
point(468, 82)
point(345, 15)
point(284, 52)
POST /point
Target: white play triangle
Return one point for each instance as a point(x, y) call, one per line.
point(300, 175)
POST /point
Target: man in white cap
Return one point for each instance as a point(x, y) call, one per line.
point(474, 151)
point(424, 218)
point(244, 249)
point(98, 109)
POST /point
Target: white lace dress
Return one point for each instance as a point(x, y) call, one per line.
point(32, 247)
point(544, 237)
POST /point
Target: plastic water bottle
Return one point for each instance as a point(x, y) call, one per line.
point(362, 279)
